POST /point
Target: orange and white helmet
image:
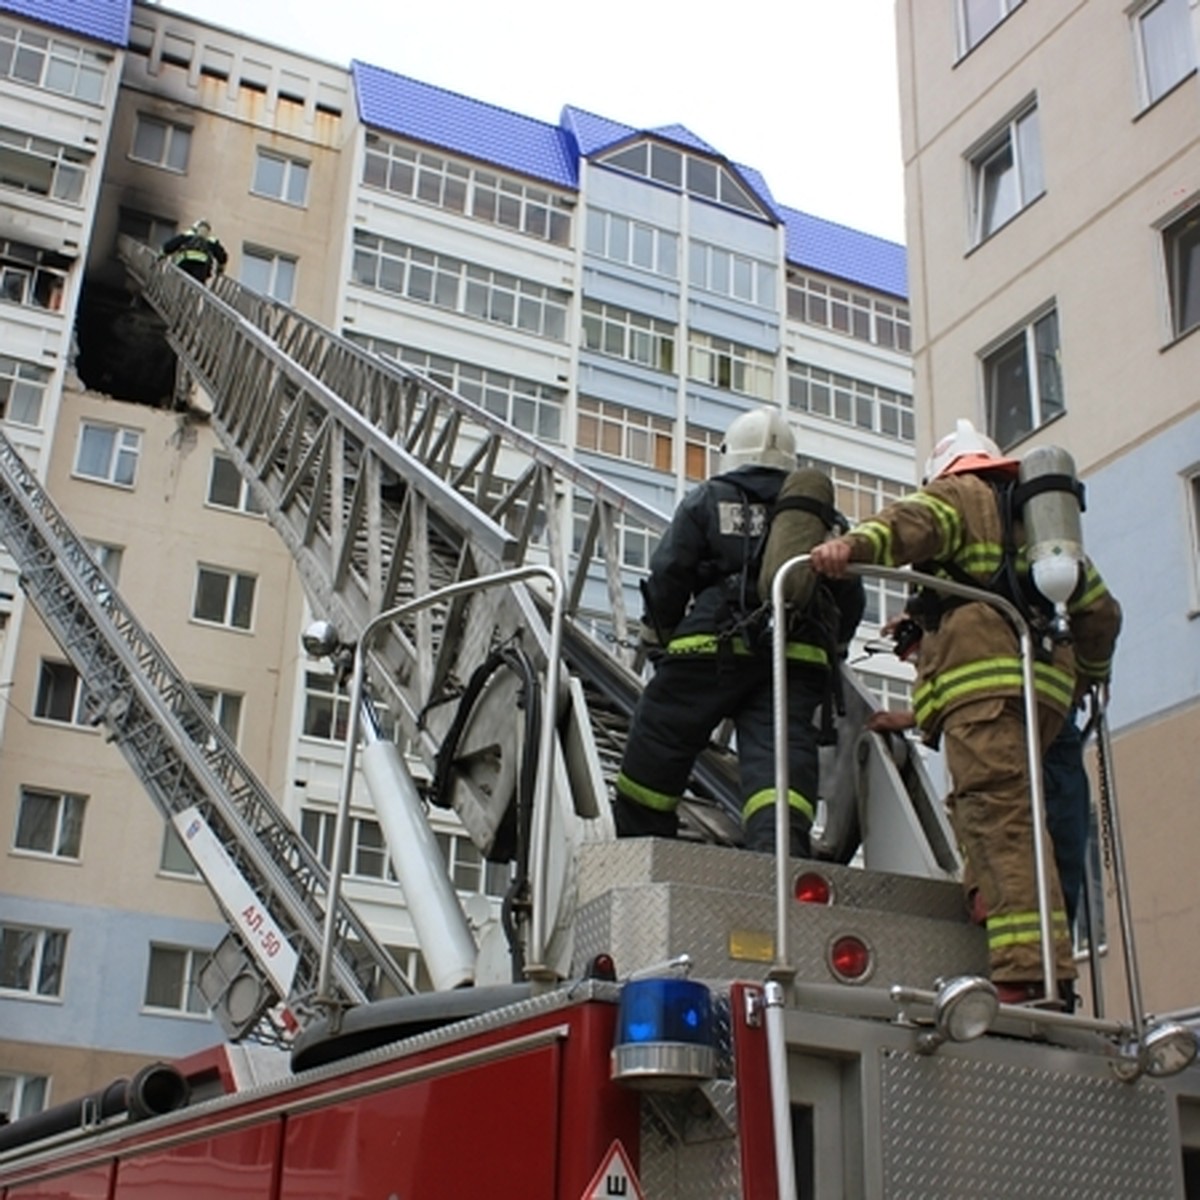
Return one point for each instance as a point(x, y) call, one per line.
point(966, 449)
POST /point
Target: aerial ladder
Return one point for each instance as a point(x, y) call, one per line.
point(385, 487)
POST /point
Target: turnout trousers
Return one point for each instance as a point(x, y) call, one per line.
point(984, 743)
point(677, 714)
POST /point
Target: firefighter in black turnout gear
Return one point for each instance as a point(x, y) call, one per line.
point(707, 632)
point(196, 251)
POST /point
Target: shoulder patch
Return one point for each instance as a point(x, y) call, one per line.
point(731, 517)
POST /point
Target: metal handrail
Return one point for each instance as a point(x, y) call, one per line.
point(781, 968)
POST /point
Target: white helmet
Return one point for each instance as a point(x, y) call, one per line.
point(761, 437)
point(966, 449)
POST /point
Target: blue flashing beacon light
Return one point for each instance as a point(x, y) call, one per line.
point(664, 1037)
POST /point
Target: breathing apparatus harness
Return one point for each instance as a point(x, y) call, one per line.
point(928, 606)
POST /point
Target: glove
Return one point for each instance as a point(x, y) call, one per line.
point(649, 646)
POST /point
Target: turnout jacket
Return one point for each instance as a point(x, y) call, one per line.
point(703, 579)
point(972, 652)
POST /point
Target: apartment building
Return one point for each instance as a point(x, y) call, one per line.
point(1053, 180)
point(619, 293)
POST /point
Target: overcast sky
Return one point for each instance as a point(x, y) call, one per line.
point(804, 91)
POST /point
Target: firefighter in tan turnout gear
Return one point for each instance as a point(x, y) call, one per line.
point(968, 687)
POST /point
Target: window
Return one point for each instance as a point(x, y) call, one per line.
point(108, 558)
point(850, 401)
point(42, 167)
point(146, 228)
point(1006, 174)
point(977, 18)
point(226, 708)
point(730, 366)
point(702, 453)
point(632, 243)
point(60, 694)
point(32, 276)
point(224, 597)
point(52, 63)
point(714, 269)
point(891, 693)
point(624, 433)
point(280, 178)
point(461, 188)
point(22, 1095)
point(635, 543)
point(22, 390)
point(108, 453)
point(1181, 248)
point(1023, 381)
point(366, 853)
point(628, 335)
point(49, 823)
point(271, 274)
point(445, 282)
point(1165, 44)
point(468, 869)
point(327, 710)
point(1191, 482)
point(174, 858)
point(161, 143)
point(171, 979)
point(31, 960)
point(671, 166)
point(227, 488)
point(861, 316)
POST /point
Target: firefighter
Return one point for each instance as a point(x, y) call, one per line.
point(196, 251)
point(706, 630)
point(968, 687)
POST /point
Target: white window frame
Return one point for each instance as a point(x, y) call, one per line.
point(22, 391)
point(28, 1094)
point(291, 186)
point(1040, 405)
point(1019, 141)
point(176, 148)
point(634, 337)
point(269, 273)
point(724, 272)
point(79, 694)
point(221, 474)
point(42, 167)
point(730, 366)
point(191, 1002)
point(118, 445)
point(620, 239)
point(174, 850)
point(1165, 47)
point(968, 37)
point(66, 832)
point(1191, 493)
point(226, 709)
point(45, 981)
point(1181, 260)
point(233, 601)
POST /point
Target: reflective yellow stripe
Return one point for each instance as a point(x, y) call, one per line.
point(1093, 588)
point(647, 796)
point(766, 797)
point(709, 643)
point(990, 675)
point(1020, 929)
point(948, 518)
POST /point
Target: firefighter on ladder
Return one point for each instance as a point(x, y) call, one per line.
point(968, 688)
point(196, 251)
point(705, 629)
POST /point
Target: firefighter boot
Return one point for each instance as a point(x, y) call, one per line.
point(758, 832)
point(636, 820)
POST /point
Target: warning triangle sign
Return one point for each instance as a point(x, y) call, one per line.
point(615, 1178)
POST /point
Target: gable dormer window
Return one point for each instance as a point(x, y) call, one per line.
point(692, 173)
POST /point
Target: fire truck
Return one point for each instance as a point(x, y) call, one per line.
point(644, 1018)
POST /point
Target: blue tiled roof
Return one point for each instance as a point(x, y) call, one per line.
point(103, 20)
point(846, 253)
point(404, 106)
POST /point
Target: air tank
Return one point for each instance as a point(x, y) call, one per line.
point(1053, 529)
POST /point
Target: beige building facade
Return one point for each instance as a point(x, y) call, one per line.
point(1052, 159)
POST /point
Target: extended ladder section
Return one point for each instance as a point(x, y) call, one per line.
point(270, 884)
point(385, 485)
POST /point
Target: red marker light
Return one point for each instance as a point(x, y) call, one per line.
point(812, 888)
point(850, 959)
